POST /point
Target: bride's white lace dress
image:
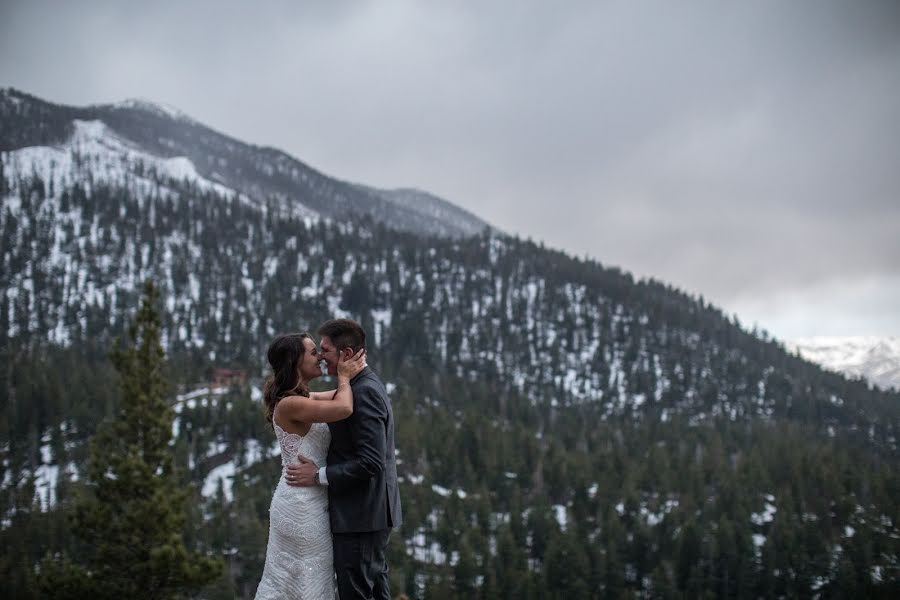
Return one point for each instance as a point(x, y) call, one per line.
point(299, 560)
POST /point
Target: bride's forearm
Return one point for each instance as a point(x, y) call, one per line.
point(343, 394)
point(306, 410)
point(331, 394)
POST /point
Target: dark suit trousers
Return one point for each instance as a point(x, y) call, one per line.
point(360, 564)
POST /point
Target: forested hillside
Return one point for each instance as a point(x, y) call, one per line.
point(564, 430)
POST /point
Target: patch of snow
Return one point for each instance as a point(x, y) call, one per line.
point(561, 515)
point(96, 149)
point(768, 514)
point(440, 490)
point(225, 474)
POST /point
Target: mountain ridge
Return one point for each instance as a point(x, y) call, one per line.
point(261, 172)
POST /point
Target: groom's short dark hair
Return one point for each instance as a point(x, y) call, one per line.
point(344, 333)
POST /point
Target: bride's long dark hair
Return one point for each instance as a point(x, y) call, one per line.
point(284, 356)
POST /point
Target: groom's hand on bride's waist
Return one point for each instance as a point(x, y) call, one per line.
point(302, 473)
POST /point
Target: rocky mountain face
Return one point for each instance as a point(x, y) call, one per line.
point(561, 426)
point(153, 133)
point(877, 359)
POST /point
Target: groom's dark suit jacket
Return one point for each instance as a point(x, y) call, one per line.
point(362, 470)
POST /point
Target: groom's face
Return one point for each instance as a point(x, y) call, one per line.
point(329, 354)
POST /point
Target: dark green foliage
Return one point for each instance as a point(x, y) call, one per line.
point(128, 519)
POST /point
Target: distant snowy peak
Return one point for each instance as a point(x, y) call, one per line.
point(875, 358)
point(161, 109)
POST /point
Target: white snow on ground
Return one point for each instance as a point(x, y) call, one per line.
point(46, 476)
point(108, 157)
point(561, 516)
point(442, 491)
point(768, 514)
point(427, 553)
point(253, 453)
point(420, 549)
point(655, 518)
point(225, 475)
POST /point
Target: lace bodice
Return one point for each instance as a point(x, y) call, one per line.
point(313, 445)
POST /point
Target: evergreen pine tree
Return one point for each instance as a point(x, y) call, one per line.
point(465, 570)
point(131, 515)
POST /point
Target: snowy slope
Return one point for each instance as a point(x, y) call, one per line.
point(137, 134)
point(874, 358)
point(429, 207)
point(96, 153)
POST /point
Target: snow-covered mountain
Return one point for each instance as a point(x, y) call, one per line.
point(874, 358)
point(533, 391)
point(129, 138)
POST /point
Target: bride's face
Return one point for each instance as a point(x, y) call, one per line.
point(309, 362)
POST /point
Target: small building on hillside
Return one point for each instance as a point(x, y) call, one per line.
point(225, 378)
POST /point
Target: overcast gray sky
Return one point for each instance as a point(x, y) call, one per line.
point(746, 151)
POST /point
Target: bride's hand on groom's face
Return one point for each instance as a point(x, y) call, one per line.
point(353, 365)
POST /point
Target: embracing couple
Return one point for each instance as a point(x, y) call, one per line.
point(335, 506)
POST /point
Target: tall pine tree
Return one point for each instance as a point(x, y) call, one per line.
point(131, 514)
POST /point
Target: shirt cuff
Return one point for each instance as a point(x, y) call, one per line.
point(323, 478)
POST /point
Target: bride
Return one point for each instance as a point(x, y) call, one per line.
point(299, 552)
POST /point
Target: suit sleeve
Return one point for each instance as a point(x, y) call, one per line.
point(368, 430)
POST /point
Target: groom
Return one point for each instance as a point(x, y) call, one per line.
point(361, 474)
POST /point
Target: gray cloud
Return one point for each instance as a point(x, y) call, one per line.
point(745, 151)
